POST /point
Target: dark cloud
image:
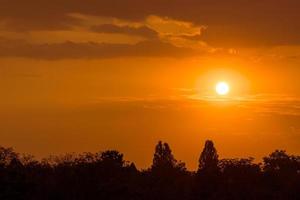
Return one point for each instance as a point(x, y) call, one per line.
point(143, 31)
point(230, 23)
point(259, 36)
point(36, 15)
point(72, 50)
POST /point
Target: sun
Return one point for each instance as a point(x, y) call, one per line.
point(222, 88)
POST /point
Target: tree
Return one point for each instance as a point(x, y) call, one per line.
point(164, 160)
point(163, 157)
point(112, 158)
point(280, 162)
point(209, 157)
point(7, 155)
point(167, 177)
point(239, 167)
point(281, 175)
point(207, 180)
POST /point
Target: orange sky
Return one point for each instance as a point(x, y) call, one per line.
point(93, 75)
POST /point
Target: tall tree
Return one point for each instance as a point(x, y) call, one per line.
point(209, 157)
point(163, 157)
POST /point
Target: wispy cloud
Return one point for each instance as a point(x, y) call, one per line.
point(266, 104)
point(73, 50)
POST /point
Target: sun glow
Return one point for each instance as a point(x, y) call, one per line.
point(222, 88)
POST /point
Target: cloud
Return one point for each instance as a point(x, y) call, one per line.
point(196, 37)
point(230, 23)
point(266, 104)
point(142, 31)
point(36, 15)
point(72, 50)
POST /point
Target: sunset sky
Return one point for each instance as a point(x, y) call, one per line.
point(90, 75)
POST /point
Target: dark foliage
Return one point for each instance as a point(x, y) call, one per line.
point(106, 175)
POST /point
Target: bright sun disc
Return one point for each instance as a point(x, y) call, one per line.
point(222, 88)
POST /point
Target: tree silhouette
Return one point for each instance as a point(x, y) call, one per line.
point(106, 175)
point(209, 158)
point(7, 155)
point(167, 176)
point(239, 176)
point(280, 162)
point(282, 175)
point(112, 158)
point(163, 157)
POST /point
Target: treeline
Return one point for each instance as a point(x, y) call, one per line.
point(107, 176)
